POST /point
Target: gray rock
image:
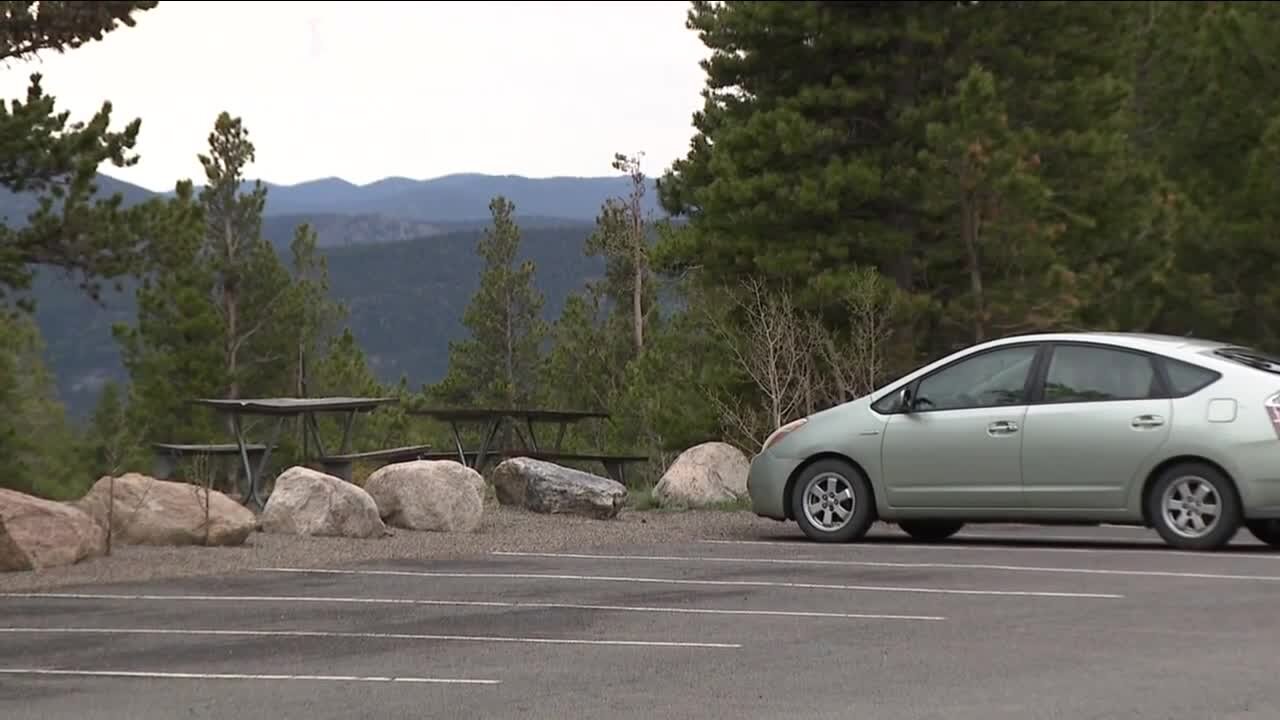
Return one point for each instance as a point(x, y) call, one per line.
point(435, 495)
point(309, 502)
point(148, 511)
point(705, 474)
point(549, 488)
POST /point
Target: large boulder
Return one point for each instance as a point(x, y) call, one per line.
point(12, 557)
point(47, 533)
point(440, 495)
point(309, 502)
point(705, 474)
point(147, 511)
point(549, 488)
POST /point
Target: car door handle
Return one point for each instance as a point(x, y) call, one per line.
point(1147, 421)
point(1002, 427)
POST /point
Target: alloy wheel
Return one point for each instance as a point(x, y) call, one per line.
point(1191, 507)
point(829, 501)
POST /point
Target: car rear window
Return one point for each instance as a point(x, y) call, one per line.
point(1185, 378)
point(1250, 357)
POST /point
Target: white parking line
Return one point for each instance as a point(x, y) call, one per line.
point(469, 603)
point(902, 565)
point(361, 636)
point(715, 583)
point(239, 676)
point(988, 543)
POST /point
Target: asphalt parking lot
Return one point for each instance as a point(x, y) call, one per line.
point(1000, 622)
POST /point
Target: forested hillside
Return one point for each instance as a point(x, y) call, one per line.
point(406, 301)
point(868, 185)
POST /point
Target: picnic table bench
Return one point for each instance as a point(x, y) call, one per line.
point(342, 465)
point(167, 455)
point(282, 409)
point(492, 419)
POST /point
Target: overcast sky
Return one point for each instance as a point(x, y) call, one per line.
point(375, 89)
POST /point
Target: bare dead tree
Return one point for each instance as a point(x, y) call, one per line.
point(774, 347)
point(621, 236)
point(114, 452)
point(202, 475)
point(854, 368)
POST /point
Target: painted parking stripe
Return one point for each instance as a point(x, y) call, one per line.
point(710, 583)
point(468, 603)
point(360, 636)
point(899, 565)
point(988, 543)
point(149, 675)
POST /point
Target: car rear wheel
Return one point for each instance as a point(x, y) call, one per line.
point(1194, 507)
point(930, 530)
point(1268, 531)
point(833, 502)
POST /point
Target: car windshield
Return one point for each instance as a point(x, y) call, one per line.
point(1253, 358)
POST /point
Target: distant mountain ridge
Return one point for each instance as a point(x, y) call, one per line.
point(397, 208)
point(454, 198)
point(401, 256)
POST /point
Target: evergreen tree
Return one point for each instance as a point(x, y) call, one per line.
point(37, 449)
point(500, 361)
point(977, 154)
point(253, 286)
point(174, 351)
point(43, 152)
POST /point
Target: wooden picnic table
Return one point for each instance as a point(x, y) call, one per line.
point(284, 408)
point(491, 421)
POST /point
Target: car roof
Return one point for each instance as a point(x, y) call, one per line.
point(1154, 342)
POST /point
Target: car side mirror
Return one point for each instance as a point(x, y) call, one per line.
point(905, 400)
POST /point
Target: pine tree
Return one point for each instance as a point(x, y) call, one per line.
point(43, 152)
point(253, 286)
point(174, 351)
point(499, 362)
point(37, 449)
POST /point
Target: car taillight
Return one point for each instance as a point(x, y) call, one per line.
point(1273, 411)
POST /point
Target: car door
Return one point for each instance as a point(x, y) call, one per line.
point(959, 446)
point(1101, 414)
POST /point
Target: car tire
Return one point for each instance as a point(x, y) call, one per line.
point(1182, 483)
point(834, 486)
point(930, 530)
point(1268, 531)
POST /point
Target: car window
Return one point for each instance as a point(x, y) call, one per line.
point(1185, 378)
point(992, 379)
point(1083, 374)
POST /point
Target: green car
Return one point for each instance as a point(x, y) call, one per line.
point(1174, 433)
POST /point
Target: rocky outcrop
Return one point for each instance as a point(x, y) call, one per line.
point(147, 511)
point(549, 488)
point(705, 474)
point(11, 556)
point(47, 533)
point(309, 502)
point(437, 495)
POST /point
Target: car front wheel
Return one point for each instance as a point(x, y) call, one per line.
point(832, 502)
point(1194, 507)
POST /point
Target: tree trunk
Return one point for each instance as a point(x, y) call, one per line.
point(230, 304)
point(637, 295)
point(512, 392)
point(637, 289)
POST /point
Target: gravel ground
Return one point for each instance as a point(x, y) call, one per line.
point(503, 528)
